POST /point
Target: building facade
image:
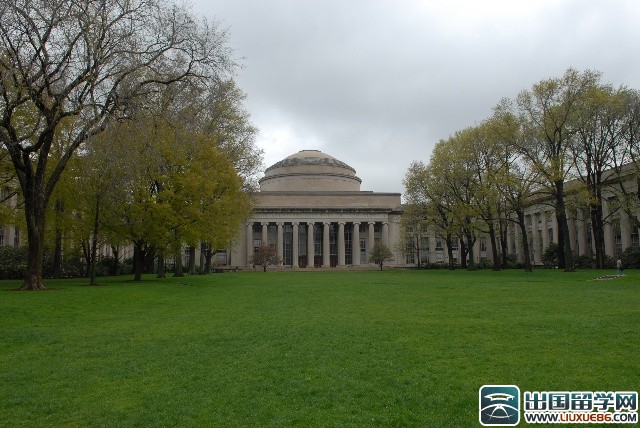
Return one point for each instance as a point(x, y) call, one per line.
point(620, 230)
point(311, 209)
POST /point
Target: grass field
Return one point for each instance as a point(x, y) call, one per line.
point(392, 348)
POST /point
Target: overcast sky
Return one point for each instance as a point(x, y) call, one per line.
point(377, 83)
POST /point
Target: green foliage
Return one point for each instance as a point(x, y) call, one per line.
point(380, 253)
point(631, 258)
point(13, 262)
point(584, 261)
point(550, 256)
point(397, 348)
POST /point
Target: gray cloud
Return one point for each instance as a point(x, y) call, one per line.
point(378, 83)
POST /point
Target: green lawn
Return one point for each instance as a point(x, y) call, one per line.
point(392, 348)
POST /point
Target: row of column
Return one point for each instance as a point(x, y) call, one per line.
point(580, 233)
point(355, 241)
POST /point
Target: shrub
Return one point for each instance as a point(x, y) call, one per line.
point(550, 256)
point(13, 262)
point(631, 258)
point(584, 261)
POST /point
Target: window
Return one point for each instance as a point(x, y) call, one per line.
point(483, 247)
point(410, 252)
point(635, 239)
point(424, 249)
point(540, 243)
point(287, 251)
point(348, 246)
point(550, 235)
point(16, 238)
point(187, 256)
point(439, 251)
point(617, 238)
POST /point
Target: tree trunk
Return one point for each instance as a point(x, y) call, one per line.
point(470, 243)
point(35, 209)
point(86, 253)
point(150, 260)
point(139, 253)
point(116, 260)
point(494, 246)
point(565, 258)
point(463, 253)
point(203, 257)
point(452, 262)
point(525, 240)
point(177, 272)
point(208, 257)
point(161, 267)
point(192, 260)
point(504, 242)
point(35, 263)
point(597, 227)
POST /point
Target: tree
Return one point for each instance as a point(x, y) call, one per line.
point(627, 159)
point(175, 188)
point(266, 255)
point(81, 63)
point(547, 112)
point(380, 253)
point(514, 180)
point(599, 126)
point(411, 222)
point(430, 194)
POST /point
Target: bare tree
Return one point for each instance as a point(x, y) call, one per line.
point(82, 63)
point(380, 253)
point(265, 256)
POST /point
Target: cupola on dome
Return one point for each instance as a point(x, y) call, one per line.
point(309, 171)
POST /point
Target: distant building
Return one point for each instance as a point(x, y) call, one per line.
point(620, 232)
point(311, 209)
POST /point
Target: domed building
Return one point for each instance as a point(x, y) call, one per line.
point(311, 209)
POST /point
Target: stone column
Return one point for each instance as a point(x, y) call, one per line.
point(341, 247)
point(294, 245)
point(582, 242)
point(571, 224)
point(385, 233)
point(355, 244)
point(325, 245)
point(609, 243)
point(519, 243)
point(310, 245)
point(370, 239)
point(280, 243)
point(265, 233)
point(545, 232)
point(625, 230)
point(249, 243)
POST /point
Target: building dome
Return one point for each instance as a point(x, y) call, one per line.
point(310, 171)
